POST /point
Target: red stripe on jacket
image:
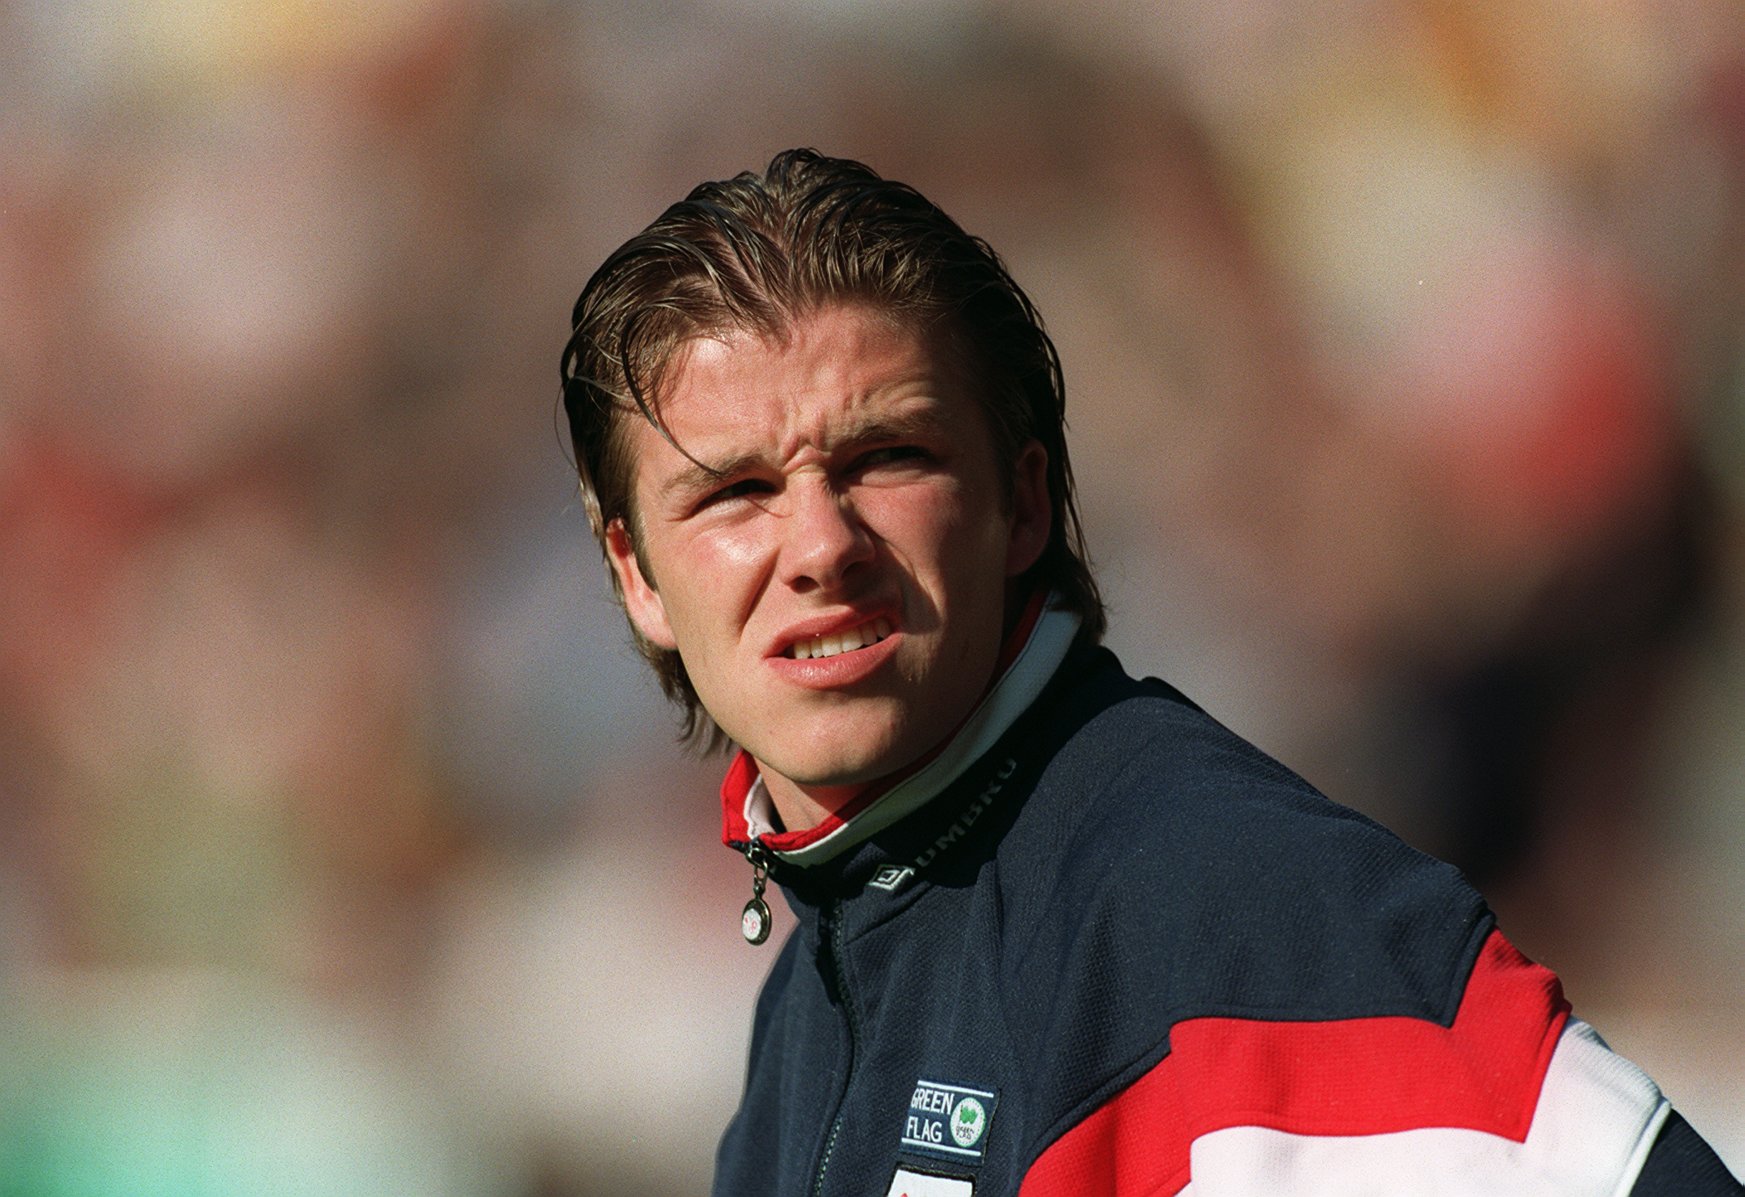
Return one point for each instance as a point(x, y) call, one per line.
point(1359, 1076)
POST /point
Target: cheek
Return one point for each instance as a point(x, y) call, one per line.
point(739, 550)
point(972, 531)
point(710, 577)
point(927, 523)
point(954, 548)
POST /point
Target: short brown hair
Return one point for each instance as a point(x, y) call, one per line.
point(756, 252)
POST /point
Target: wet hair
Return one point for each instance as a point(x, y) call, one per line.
point(758, 253)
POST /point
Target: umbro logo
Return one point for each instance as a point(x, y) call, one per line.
point(890, 877)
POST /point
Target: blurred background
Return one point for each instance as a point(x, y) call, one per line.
point(344, 848)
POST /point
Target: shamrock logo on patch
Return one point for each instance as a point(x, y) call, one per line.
point(968, 1122)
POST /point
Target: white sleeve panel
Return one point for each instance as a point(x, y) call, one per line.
point(1597, 1117)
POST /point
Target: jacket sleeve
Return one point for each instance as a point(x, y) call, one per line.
point(1513, 1097)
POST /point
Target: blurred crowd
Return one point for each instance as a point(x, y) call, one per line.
point(344, 845)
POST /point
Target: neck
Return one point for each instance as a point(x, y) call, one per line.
point(803, 807)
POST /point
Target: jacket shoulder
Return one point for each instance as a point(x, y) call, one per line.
point(1166, 853)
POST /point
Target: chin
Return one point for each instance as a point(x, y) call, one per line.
point(877, 753)
point(832, 772)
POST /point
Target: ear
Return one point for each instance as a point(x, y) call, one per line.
point(1032, 514)
point(641, 600)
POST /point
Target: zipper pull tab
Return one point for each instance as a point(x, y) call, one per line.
point(754, 920)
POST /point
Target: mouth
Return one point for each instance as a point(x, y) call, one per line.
point(835, 644)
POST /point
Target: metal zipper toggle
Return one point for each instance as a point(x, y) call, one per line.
point(754, 920)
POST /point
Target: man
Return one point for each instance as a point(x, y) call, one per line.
point(1060, 932)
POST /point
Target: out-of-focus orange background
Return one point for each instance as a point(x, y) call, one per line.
point(344, 847)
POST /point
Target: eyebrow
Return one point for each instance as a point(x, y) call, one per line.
point(699, 476)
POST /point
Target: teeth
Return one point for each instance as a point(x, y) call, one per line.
point(841, 642)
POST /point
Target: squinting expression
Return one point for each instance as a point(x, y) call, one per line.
point(836, 583)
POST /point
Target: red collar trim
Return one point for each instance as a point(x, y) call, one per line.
point(742, 773)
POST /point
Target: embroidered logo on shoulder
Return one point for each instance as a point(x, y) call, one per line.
point(890, 877)
point(949, 1120)
point(908, 1183)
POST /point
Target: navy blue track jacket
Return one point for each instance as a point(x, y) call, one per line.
point(1123, 952)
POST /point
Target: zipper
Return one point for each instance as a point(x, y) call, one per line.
point(840, 972)
point(754, 920)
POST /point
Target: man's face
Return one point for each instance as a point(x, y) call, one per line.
point(837, 592)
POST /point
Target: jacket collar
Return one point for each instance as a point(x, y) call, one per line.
point(1030, 657)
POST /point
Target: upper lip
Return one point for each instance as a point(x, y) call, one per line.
point(826, 625)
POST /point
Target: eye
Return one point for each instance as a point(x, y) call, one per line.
point(891, 455)
point(744, 488)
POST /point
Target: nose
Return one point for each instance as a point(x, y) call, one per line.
point(824, 540)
